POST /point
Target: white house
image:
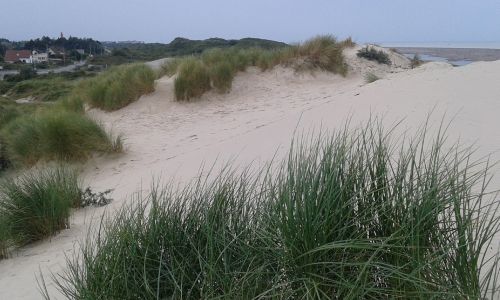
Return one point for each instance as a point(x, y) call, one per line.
point(39, 57)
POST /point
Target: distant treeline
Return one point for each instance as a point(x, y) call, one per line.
point(182, 46)
point(42, 44)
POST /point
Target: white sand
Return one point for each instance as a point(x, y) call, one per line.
point(256, 121)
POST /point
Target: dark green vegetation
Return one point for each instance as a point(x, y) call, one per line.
point(371, 53)
point(41, 44)
point(357, 215)
point(117, 87)
point(55, 134)
point(182, 46)
point(36, 205)
point(216, 68)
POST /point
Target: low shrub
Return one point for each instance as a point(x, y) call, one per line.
point(415, 61)
point(373, 54)
point(117, 87)
point(348, 217)
point(37, 204)
point(25, 73)
point(192, 80)
point(55, 135)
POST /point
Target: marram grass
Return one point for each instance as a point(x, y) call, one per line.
point(347, 216)
point(55, 134)
point(116, 87)
point(36, 205)
point(216, 68)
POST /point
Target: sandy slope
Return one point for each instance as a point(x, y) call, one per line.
point(257, 121)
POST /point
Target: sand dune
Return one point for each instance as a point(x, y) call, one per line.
point(256, 122)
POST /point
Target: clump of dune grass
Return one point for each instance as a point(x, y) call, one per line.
point(221, 76)
point(37, 204)
point(370, 77)
point(193, 80)
point(55, 135)
point(373, 54)
point(117, 87)
point(348, 43)
point(216, 68)
point(347, 216)
point(324, 52)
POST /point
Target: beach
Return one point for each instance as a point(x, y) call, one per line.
point(256, 122)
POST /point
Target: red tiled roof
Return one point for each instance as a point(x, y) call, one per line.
point(15, 55)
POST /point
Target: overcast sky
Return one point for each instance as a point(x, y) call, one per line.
point(288, 21)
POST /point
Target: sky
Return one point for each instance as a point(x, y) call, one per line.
point(382, 21)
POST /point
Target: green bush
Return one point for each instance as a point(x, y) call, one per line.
point(117, 87)
point(37, 205)
point(25, 73)
point(192, 80)
point(371, 53)
point(349, 217)
point(55, 135)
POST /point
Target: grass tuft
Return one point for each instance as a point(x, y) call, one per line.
point(350, 216)
point(193, 80)
point(36, 205)
point(325, 53)
point(348, 43)
point(221, 75)
point(55, 135)
point(117, 87)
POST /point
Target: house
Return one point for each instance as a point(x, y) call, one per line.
point(80, 51)
point(39, 57)
point(56, 51)
point(13, 56)
point(25, 56)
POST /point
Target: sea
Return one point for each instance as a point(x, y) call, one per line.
point(441, 45)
